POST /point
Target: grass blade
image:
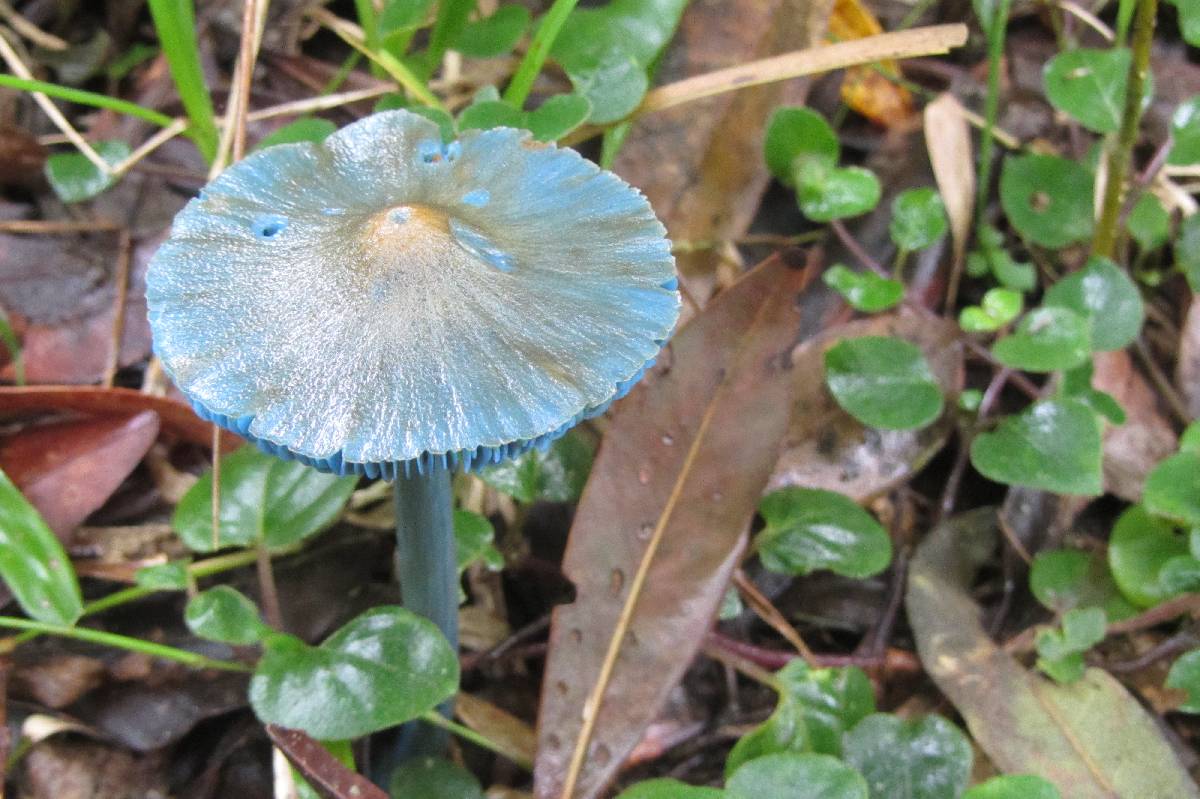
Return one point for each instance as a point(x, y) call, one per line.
point(175, 21)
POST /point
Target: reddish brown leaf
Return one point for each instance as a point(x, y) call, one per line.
point(322, 770)
point(1131, 450)
point(67, 470)
point(681, 467)
point(868, 89)
point(826, 448)
point(177, 419)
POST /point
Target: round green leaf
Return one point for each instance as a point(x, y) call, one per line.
point(556, 475)
point(669, 789)
point(1173, 489)
point(384, 668)
point(311, 129)
point(434, 777)
point(809, 529)
point(488, 114)
point(1185, 676)
point(1054, 445)
point(558, 116)
point(1189, 441)
point(163, 576)
point(864, 291)
point(1089, 85)
point(1187, 249)
point(33, 562)
point(223, 614)
point(1149, 223)
point(1185, 131)
point(998, 307)
point(1063, 579)
point(926, 758)
point(1014, 786)
point(1137, 551)
point(614, 87)
point(883, 382)
point(1047, 339)
point(263, 498)
point(918, 219)
point(829, 193)
point(495, 35)
point(1048, 199)
point(1102, 292)
point(1180, 575)
point(796, 776)
point(74, 178)
point(794, 133)
point(1189, 20)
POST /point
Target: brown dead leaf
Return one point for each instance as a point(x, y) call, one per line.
point(324, 772)
point(827, 448)
point(948, 140)
point(67, 470)
point(1187, 370)
point(661, 525)
point(867, 89)
point(1131, 450)
point(76, 769)
point(701, 165)
point(58, 679)
point(513, 737)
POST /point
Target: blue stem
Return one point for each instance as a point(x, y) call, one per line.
point(428, 572)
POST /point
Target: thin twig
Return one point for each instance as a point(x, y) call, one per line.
point(267, 587)
point(150, 145)
point(772, 616)
point(21, 71)
point(30, 31)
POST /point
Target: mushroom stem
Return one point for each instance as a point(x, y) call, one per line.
point(428, 571)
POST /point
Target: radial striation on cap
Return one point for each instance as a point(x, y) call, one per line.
point(383, 302)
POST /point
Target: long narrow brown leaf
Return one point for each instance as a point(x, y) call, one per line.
point(322, 770)
point(662, 524)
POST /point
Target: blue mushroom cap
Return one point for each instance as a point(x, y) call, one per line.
point(383, 302)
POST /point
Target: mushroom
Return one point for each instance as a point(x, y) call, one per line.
point(391, 305)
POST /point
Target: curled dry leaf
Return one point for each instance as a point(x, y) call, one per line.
point(662, 524)
point(67, 470)
point(1131, 450)
point(948, 140)
point(1025, 723)
point(827, 448)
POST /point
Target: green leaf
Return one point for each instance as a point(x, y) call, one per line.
point(490, 114)
point(384, 668)
point(1138, 549)
point(495, 35)
point(310, 129)
point(1060, 654)
point(1185, 676)
point(473, 536)
point(1077, 385)
point(1173, 489)
point(556, 475)
point(1189, 20)
point(926, 758)
point(1190, 440)
point(731, 605)
point(558, 116)
point(263, 499)
point(401, 16)
point(669, 789)
point(798, 133)
point(1014, 786)
point(796, 776)
point(1064, 579)
point(1187, 248)
point(992, 257)
point(223, 614)
point(815, 708)
point(163, 576)
point(74, 178)
point(828, 193)
point(1103, 292)
point(1047, 199)
point(918, 219)
point(997, 308)
point(809, 529)
point(883, 382)
point(864, 291)
point(1046, 340)
point(1149, 223)
point(1053, 445)
point(434, 777)
point(1180, 575)
point(614, 86)
point(1185, 133)
point(33, 562)
point(1089, 85)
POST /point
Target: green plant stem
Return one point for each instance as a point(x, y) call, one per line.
point(427, 566)
point(86, 98)
point(539, 49)
point(123, 642)
point(175, 23)
point(451, 19)
point(468, 734)
point(1121, 152)
point(996, 33)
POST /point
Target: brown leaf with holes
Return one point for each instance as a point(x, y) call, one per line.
point(674, 486)
point(1132, 449)
point(69, 469)
point(701, 165)
point(827, 448)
